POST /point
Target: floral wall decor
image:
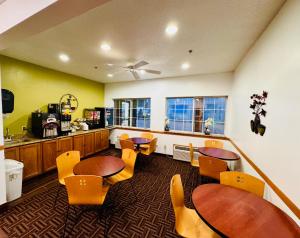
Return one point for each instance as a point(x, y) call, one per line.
point(258, 102)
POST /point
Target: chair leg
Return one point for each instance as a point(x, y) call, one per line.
point(66, 220)
point(57, 194)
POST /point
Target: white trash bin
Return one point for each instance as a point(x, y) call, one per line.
point(14, 176)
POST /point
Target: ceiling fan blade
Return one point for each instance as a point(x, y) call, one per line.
point(152, 71)
point(135, 75)
point(140, 64)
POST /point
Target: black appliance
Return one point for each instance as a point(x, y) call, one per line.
point(53, 108)
point(65, 124)
point(109, 117)
point(45, 125)
point(93, 118)
point(7, 101)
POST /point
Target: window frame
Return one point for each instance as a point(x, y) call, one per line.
point(193, 112)
point(130, 117)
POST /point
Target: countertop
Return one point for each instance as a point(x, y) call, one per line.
point(37, 140)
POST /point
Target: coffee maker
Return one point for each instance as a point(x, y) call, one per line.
point(45, 125)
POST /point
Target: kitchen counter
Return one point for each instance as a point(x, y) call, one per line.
point(37, 140)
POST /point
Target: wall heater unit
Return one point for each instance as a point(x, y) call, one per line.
point(182, 152)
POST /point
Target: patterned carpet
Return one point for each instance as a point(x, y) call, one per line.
point(150, 216)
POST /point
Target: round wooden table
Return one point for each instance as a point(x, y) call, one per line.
point(219, 153)
point(103, 166)
point(139, 141)
point(233, 212)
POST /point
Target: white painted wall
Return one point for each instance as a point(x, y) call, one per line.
point(2, 168)
point(159, 89)
point(273, 64)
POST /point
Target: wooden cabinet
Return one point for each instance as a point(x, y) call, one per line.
point(98, 142)
point(89, 144)
point(104, 139)
point(64, 145)
point(78, 144)
point(30, 155)
point(49, 155)
point(12, 153)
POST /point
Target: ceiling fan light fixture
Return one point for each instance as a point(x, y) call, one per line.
point(142, 71)
point(171, 29)
point(105, 47)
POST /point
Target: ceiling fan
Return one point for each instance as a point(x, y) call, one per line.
point(135, 69)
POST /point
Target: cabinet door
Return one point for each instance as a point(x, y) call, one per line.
point(89, 144)
point(49, 155)
point(64, 145)
point(12, 153)
point(104, 139)
point(78, 142)
point(98, 142)
point(30, 155)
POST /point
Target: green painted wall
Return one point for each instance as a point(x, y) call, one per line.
point(35, 86)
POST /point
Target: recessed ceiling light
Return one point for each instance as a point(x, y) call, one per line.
point(105, 47)
point(64, 57)
point(109, 65)
point(110, 75)
point(142, 71)
point(185, 66)
point(171, 29)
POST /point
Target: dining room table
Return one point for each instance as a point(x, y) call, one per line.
point(104, 166)
point(233, 212)
point(139, 141)
point(219, 153)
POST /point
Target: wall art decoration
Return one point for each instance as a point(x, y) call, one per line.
point(258, 102)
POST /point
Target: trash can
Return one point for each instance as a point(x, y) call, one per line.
point(14, 176)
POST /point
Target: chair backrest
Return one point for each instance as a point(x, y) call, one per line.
point(129, 157)
point(243, 181)
point(124, 136)
point(147, 135)
point(213, 165)
point(84, 189)
point(66, 162)
point(214, 144)
point(192, 157)
point(152, 145)
point(127, 144)
point(177, 194)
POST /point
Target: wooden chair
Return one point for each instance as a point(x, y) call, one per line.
point(194, 162)
point(127, 144)
point(187, 221)
point(65, 164)
point(124, 136)
point(150, 148)
point(243, 181)
point(129, 158)
point(211, 167)
point(147, 135)
point(214, 144)
point(85, 190)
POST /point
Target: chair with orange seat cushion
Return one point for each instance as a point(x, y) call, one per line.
point(243, 181)
point(147, 135)
point(214, 144)
point(129, 158)
point(150, 148)
point(85, 190)
point(65, 164)
point(127, 144)
point(194, 162)
point(124, 136)
point(211, 167)
point(187, 221)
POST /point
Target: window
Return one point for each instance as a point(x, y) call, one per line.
point(133, 112)
point(190, 113)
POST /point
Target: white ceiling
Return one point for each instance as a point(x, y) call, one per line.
point(219, 32)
